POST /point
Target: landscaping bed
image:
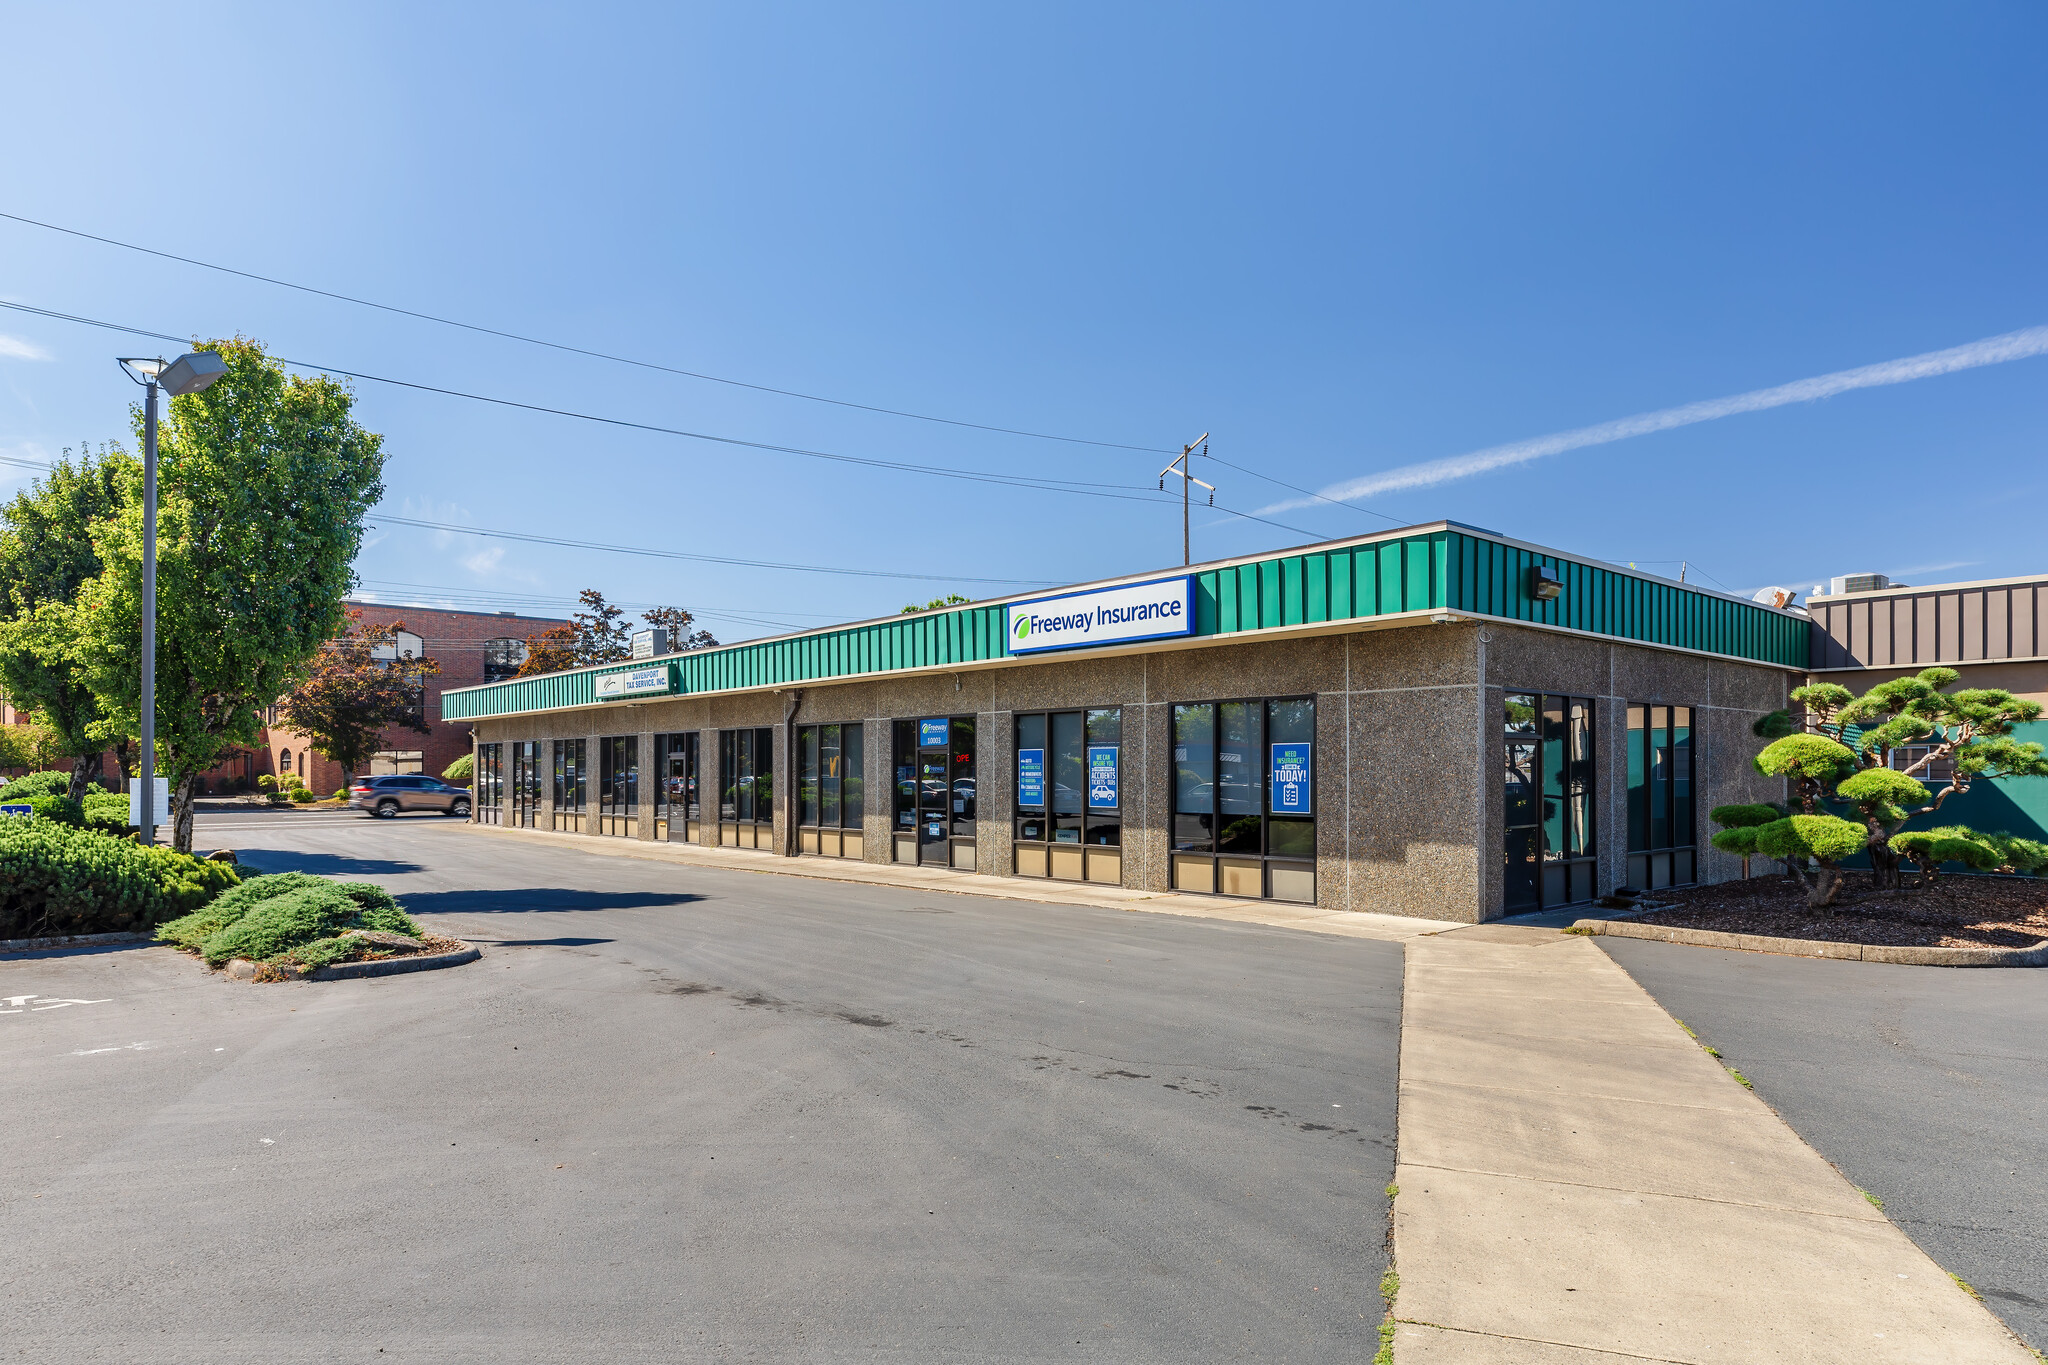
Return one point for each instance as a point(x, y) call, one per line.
point(1955, 912)
point(291, 925)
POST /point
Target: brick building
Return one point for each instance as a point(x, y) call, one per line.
point(471, 647)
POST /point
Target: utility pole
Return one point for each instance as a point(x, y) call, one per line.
point(1182, 469)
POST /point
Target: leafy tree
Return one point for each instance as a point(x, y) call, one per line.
point(46, 556)
point(264, 480)
point(351, 696)
point(951, 599)
point(1839, 752)
point(677, 623)
point(551, 651)
point(600, 634)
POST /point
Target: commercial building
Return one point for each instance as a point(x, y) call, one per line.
point(1868, 630)
point(1437, 721)
point(471, 646)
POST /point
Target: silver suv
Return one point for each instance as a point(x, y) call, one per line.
point(386, 796)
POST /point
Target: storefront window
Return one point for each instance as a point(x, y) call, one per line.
point(1069, 770)
point(571, 782)
point(618, 783)
point(1662, 848)
point(1547, 801)
point(746, 790)
point(830, 795)
point(525, 783)
point(490, 783)
point(1244, 805)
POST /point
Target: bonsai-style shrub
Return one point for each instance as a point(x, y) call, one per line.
point(1739, 825)
point(1845, 751)
point(460, 770)
point(1826, 839)
point(1928, 849)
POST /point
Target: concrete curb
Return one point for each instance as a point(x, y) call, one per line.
point(396, 966)
point(1810, 947)
point(38, 945)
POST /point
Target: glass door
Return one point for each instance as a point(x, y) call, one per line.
point(934, 806)
point(525, 782)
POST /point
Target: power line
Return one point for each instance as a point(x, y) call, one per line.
point(1084, 489)
point(1041, 485)
point(1305, 492)
point(704, 559)
point(577, 350)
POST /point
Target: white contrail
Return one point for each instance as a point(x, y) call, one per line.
point(1996, 350)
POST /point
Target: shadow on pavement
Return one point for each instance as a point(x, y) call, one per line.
point(324, 864)
point(542, 942)
point(526, 900)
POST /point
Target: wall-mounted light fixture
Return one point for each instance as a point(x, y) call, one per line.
point(1544, 585)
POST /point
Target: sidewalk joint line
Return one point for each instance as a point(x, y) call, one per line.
point(1631, 1189)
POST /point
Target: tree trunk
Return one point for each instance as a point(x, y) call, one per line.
point(121, 761)
point(1827, 883)
point(83, 770)
point(181, 813)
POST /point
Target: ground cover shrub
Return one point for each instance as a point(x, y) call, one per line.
point(57, 807)
point(35, 784)
point(58, 879)
point(288, 915)
point(107, 812)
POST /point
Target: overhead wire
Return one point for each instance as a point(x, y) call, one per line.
point(1141, 494)
point(577, 350)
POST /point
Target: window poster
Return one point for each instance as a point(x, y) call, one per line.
point(1102, 777)
point(1292, 778)
point(1031, 777)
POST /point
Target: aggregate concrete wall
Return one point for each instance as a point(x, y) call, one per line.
point(1408, 788)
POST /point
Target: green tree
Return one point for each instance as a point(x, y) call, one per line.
point(264, 482)
point(350, 696)
point(677, 623)
point(46, 557)
point(951, 599)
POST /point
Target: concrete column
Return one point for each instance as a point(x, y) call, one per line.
point(593, 722)
point(995, 790)
point(643, 829)
point(544, 807)
point(707, 787)
point(1148, 863)
point(878, 806)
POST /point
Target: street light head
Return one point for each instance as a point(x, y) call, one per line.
point(144, 367)
point(193, 371)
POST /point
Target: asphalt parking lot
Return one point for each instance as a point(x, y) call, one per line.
point(681, 1113)
point(1927, 1086)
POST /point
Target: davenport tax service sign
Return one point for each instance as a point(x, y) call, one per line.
point(1157, 610)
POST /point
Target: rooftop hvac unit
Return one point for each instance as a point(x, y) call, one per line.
point(1858, 582)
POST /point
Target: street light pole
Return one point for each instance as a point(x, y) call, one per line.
point(147, 821)
point(189, 373)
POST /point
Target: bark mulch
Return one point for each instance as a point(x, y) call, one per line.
point(1955, 912)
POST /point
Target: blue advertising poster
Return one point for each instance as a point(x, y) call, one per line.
point(931, 734)
point(1102, 777)
point(1292, 777)
point(1031, 777)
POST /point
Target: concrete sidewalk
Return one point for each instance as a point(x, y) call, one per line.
point(1580, 1182)
point(946, 881)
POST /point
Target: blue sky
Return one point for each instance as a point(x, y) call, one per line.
point(1345, 240)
